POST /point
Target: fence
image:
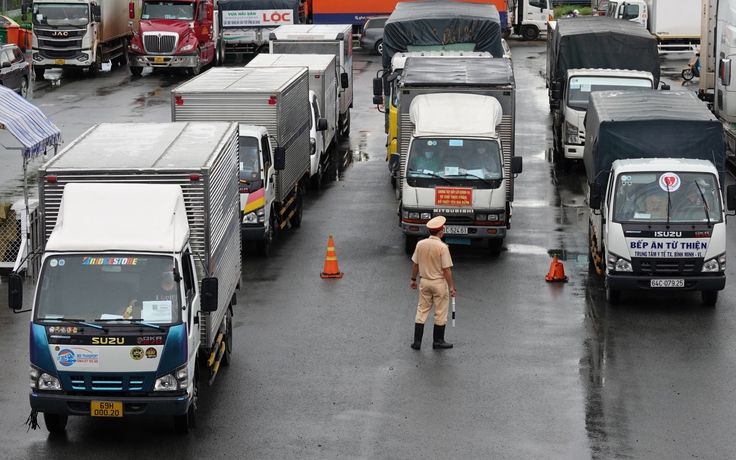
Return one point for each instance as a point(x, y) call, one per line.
point(14, 241)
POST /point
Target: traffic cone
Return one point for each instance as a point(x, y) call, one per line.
point(556, 271)
point(331, 270)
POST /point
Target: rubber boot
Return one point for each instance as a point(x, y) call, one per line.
point(439, 338)
point(418, 333)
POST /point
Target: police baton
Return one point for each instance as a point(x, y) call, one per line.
point(453, 311)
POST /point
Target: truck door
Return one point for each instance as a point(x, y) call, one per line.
point(269, 187)
point(319, 135)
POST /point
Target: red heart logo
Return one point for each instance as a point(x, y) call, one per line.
point(669, 180)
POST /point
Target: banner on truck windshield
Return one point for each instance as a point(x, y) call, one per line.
point(241, 18)
point(665, 248)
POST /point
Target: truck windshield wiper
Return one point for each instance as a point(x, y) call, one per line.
point(429, 173)
point(495, 183)
point(705, 205)
point(81, 322)
point(130, 320)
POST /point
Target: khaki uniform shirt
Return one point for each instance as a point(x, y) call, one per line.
point(432, 255)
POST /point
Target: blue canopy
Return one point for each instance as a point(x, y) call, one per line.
point(27, 123)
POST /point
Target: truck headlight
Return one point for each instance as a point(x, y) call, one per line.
point(135, 47)
point(618, 264)
point(173, 381)
point(571, 132)
point(715, 265)
point(250, 218)
point(44, 381)
point(187, 47)
point(312, 146)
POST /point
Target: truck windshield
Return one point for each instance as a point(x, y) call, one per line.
point(60, 14)
point(580, 88)
point(168, 10)
point(250, 163)
point(94, 287)
point(454, 157)
point(666, 197)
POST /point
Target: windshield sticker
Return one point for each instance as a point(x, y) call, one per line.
point(456, 143)
point(669, 182)
point(157, 311)
point(78, 357)
point(151, 353)
point(53, 262)
point(431, 142)
point(667, 248)
point(109, 260)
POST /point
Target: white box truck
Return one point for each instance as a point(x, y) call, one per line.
point(324, 91)
point(332, 39)
point(655, 162)
point(132, 313)
point(674, 23)
point(271, 189)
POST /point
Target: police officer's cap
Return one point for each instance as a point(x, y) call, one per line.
point(436, 223)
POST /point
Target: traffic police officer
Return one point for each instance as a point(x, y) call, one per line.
point(432, 261)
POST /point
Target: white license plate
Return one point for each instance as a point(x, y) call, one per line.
point(667, 283)
point(456, 230)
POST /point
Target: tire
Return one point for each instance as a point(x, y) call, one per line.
point(529, 33)
point(24, 87)
point(709, 298)
point(223, 54)
point(591, 260)
point(226, 358)
point(194, 71)
point(613, 296)
point(315, 182)
point(136, 71)
point(94, 69)
point(55, 423)
point(495, 246)
point(379, 47)
point(566, 164)
point(393, 180)
point(687, 74)
point(123, 59)
point(410, 243)
point(263, 248)
point(184, 423)
point(397, 189)
point(296, 219)
point(39, 71)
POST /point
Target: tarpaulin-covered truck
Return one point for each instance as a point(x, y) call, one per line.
point(598, 43)
point(132, 313)
point(435, 26)
point(246, 24)
point(655, 161)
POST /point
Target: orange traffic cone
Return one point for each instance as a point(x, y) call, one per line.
point(556, 271)
point(331, 270)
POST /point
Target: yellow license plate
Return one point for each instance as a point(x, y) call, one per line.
point(59, 61)
point(158, 59)
point(106, 409)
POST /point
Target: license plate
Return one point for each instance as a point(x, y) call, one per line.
point(158, 59)
point(106, 409)
point(667, 283)
point(456, 230)
point(59, 61)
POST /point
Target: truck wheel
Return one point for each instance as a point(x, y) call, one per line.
point(226, 358)
point(410, 243)
point(136, 71)
point(39, 71)
point(495, 246)
point(196, 69)
point(315, 182)
point(709, 298)
point(613, 296)
point(55, 423)
point(529, 33)
point(687, 74)
point(296, 219)
point(123, 59)
point(94, 69)
point(263, 248)
point(24, 86)
point(183, 423)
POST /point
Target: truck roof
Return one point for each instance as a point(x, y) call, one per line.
point(244, 79)
point(235, 5)
point(311, 32)
point(447, 114)
point(90, 213)
point(316, 63)
point(457, 71)
point(136, 146)
point(659, 164)
point(611, 73)
point(399, 59)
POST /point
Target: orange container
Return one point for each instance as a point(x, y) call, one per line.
point(12, 31)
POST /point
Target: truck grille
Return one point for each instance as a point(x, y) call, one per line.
point(460, 220)
point(160, 43)
point(665, 267)
point(107, 383)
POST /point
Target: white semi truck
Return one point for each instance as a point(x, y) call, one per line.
point(655, 162)
point(81, 33)
point(132, 313)
point(276, 98)
point(465, 178)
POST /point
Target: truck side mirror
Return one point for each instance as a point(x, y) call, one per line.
point(595, 196)
point(344, 82)
point(556, 90)
point(208, 299)
point(516, 165)
point(96, 12)
point(377, 86)
point(279, 158)
point(15, 291)
point(731, 197)
point(24, 10)
point(131, 10)
point(665, 87)
point(724, 72)
point(377, 100)
point(322, 124)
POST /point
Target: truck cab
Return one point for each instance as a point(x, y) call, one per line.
point(531, 17)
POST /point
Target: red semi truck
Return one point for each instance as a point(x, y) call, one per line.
point(177, 34)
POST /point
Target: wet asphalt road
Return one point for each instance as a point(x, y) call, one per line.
point(322, 369)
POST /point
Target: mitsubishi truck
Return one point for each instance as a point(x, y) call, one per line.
point(184, 34)
point(597, 43)
point(276, 98)
point(674, 23)
point(80, 34)
point(335, 40)
point(246, 24)
point(323, 89)
point(456, 167)
point(132, 314)
point(655, 163)
point(572, 94)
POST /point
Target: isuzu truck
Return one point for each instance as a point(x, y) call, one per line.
point(132, 314)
